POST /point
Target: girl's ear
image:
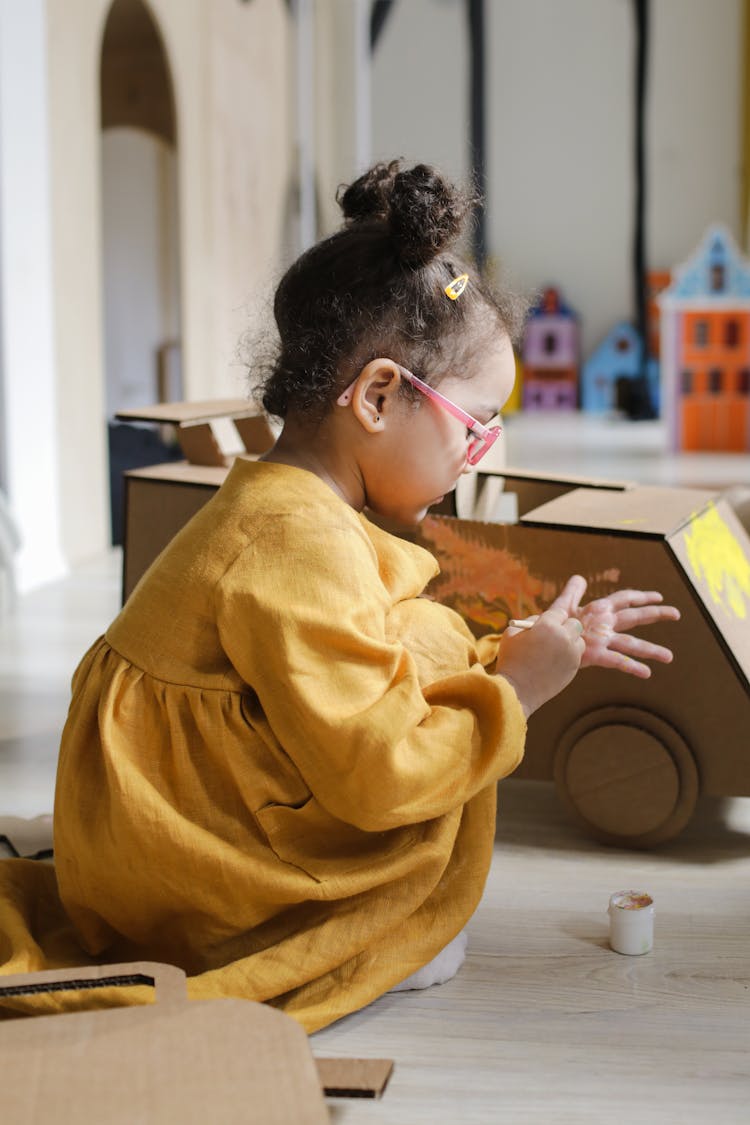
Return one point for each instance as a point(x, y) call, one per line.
point(374, 394)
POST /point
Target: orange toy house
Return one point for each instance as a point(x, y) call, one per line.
point(656, 282)
point(705, 349)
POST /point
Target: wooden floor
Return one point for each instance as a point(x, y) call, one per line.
point(544, 1023)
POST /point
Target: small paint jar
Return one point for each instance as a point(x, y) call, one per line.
point(631, 923)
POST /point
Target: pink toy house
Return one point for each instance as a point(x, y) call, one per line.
point(551, 355)
point(705, 348)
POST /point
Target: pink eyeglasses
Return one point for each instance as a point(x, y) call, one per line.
point(484, 436)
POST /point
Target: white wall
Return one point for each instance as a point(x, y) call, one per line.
point(230, 64)
point(245, 162)
point(560, 131)
point(420, 85)
point(695, 122)
point(140, 263)
point(562, 167)
point(560, 151)
point(28, 427)
point(418, 92)
point(74, 30)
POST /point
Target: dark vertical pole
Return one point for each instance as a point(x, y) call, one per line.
point(477, 135)
point(641, 405)
point(380, 11)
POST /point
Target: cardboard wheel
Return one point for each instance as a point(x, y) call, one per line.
point(627, 776)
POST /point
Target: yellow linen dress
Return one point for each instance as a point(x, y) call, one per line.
point(278, 769)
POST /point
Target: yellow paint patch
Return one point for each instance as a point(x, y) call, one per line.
point(718, 560)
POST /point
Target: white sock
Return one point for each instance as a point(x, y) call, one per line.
point(440, 969)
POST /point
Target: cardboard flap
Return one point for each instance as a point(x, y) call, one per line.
point(255, 432)
point(174, 1060)
point(644, 510)
point(484, 495)
point(198, 443)
point(181, 473)
point(572, 480)
point(177, 413)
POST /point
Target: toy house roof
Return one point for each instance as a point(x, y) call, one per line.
point(716, 274)
point(551, 304)
point(619, 348)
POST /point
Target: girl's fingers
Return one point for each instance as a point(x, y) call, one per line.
point(569, 598)
point(648, 615)
point(625, 619)
point(622, 599)
point(635, 647)
point(633, 600)
point(621, 662)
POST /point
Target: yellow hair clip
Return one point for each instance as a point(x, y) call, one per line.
point(455, 288)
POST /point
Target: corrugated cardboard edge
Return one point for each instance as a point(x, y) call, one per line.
point(354, 1078)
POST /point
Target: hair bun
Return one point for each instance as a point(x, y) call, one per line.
point(368, 197)
point(424, 212)
point(427, 214)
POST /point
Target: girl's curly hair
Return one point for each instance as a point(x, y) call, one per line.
point(377, 287)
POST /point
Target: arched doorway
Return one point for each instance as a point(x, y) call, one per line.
point(140, 242)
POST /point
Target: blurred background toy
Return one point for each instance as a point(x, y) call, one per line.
point(705, 334)
point(611, 376)
point(551, 351)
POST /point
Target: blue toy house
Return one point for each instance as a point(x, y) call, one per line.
point(608, 376)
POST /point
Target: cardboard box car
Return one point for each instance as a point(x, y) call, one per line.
point(165, 1058)
point(629, 756)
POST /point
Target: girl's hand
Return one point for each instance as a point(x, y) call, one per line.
point(605, 624)
point(540, 662)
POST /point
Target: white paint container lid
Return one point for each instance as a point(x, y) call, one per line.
point(631, 922)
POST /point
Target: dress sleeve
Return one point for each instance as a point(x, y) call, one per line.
point(382, 736)
point(488, 648)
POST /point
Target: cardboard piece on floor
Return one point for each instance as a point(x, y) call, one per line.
point(173, 1060)
point(354, 1078)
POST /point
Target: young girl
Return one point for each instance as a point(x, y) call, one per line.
point(280, 762)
